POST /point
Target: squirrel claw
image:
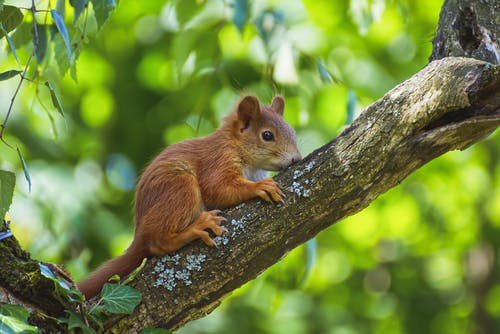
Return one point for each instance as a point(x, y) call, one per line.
point(268, 190)
point(210, 220)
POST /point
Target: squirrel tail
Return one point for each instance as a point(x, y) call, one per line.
point(121, 265)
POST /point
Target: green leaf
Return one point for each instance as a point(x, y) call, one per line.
point(9, 74)
point(16, 311)
point(155, 331)
point(61, 7)
point(325, 76)
point(96, 316)
point(51, 119)
point(102, 10)
point(60, 57)
point(47, 272)
point(75, 321)
point(351, 106)
point(13, 319)
point(41, 49)
point(25, 168)
point(23, 34)
point(61, 26)
point(10, 17)
point(241, 13)
point(62, 286)
point(7, 183)
point(192, 39)
point(186, 10)
point(11, 43)
point(311, 256)
point(120, 299)
point(79, 6)
point(12, 325)
point(55, 100)
point(13, 49)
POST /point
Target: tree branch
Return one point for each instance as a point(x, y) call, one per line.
point(450, 104)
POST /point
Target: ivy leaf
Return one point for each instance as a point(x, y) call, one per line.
point(16, 311)
point(10, 17)
point(7, 183)
point(155, 331)
point(9, 74)
point(120, 299)
point(61, 26)
point(102, 10)
point(79, 6)
point(75, 321)
point(47, 272)
point(55, 99)
point(25, 168)
point(12, 325)
point(13, 319)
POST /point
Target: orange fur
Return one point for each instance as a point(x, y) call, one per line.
point(178, 193)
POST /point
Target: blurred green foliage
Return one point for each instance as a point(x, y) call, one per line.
point(423, 258)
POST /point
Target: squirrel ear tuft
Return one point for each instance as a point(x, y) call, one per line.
point(278, 105)
point(248, 110)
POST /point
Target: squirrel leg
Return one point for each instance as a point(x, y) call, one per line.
point(177, 216)
point(207, 220)
point(241, 190)
point(198, 230)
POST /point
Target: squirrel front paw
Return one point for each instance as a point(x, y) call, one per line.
point(268, 190)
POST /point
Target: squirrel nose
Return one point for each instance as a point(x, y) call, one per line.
point(296, 158)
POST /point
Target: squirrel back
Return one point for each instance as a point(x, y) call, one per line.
point(188, 178)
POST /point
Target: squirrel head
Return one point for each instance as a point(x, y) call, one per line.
point(266, 141)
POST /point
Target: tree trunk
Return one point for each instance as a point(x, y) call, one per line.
point(468, 28)
point(451, 104)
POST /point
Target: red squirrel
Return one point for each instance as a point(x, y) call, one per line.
point(179, 193)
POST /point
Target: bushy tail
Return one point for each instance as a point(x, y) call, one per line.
point(121, 265)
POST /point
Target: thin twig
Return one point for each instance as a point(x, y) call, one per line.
point(23, 75)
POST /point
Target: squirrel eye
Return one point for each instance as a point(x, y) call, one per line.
point(267, 135)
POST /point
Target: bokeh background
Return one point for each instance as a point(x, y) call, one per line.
point(423, 258)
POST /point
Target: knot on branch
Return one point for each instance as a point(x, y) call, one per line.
point(468, 30)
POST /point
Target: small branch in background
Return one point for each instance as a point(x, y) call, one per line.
point(3, 126)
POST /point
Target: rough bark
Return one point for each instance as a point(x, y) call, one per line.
point(22, 283)
point(468, 28)
point(449, 105)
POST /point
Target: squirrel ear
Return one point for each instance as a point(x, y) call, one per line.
point(248, 110)
point(278, 105)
